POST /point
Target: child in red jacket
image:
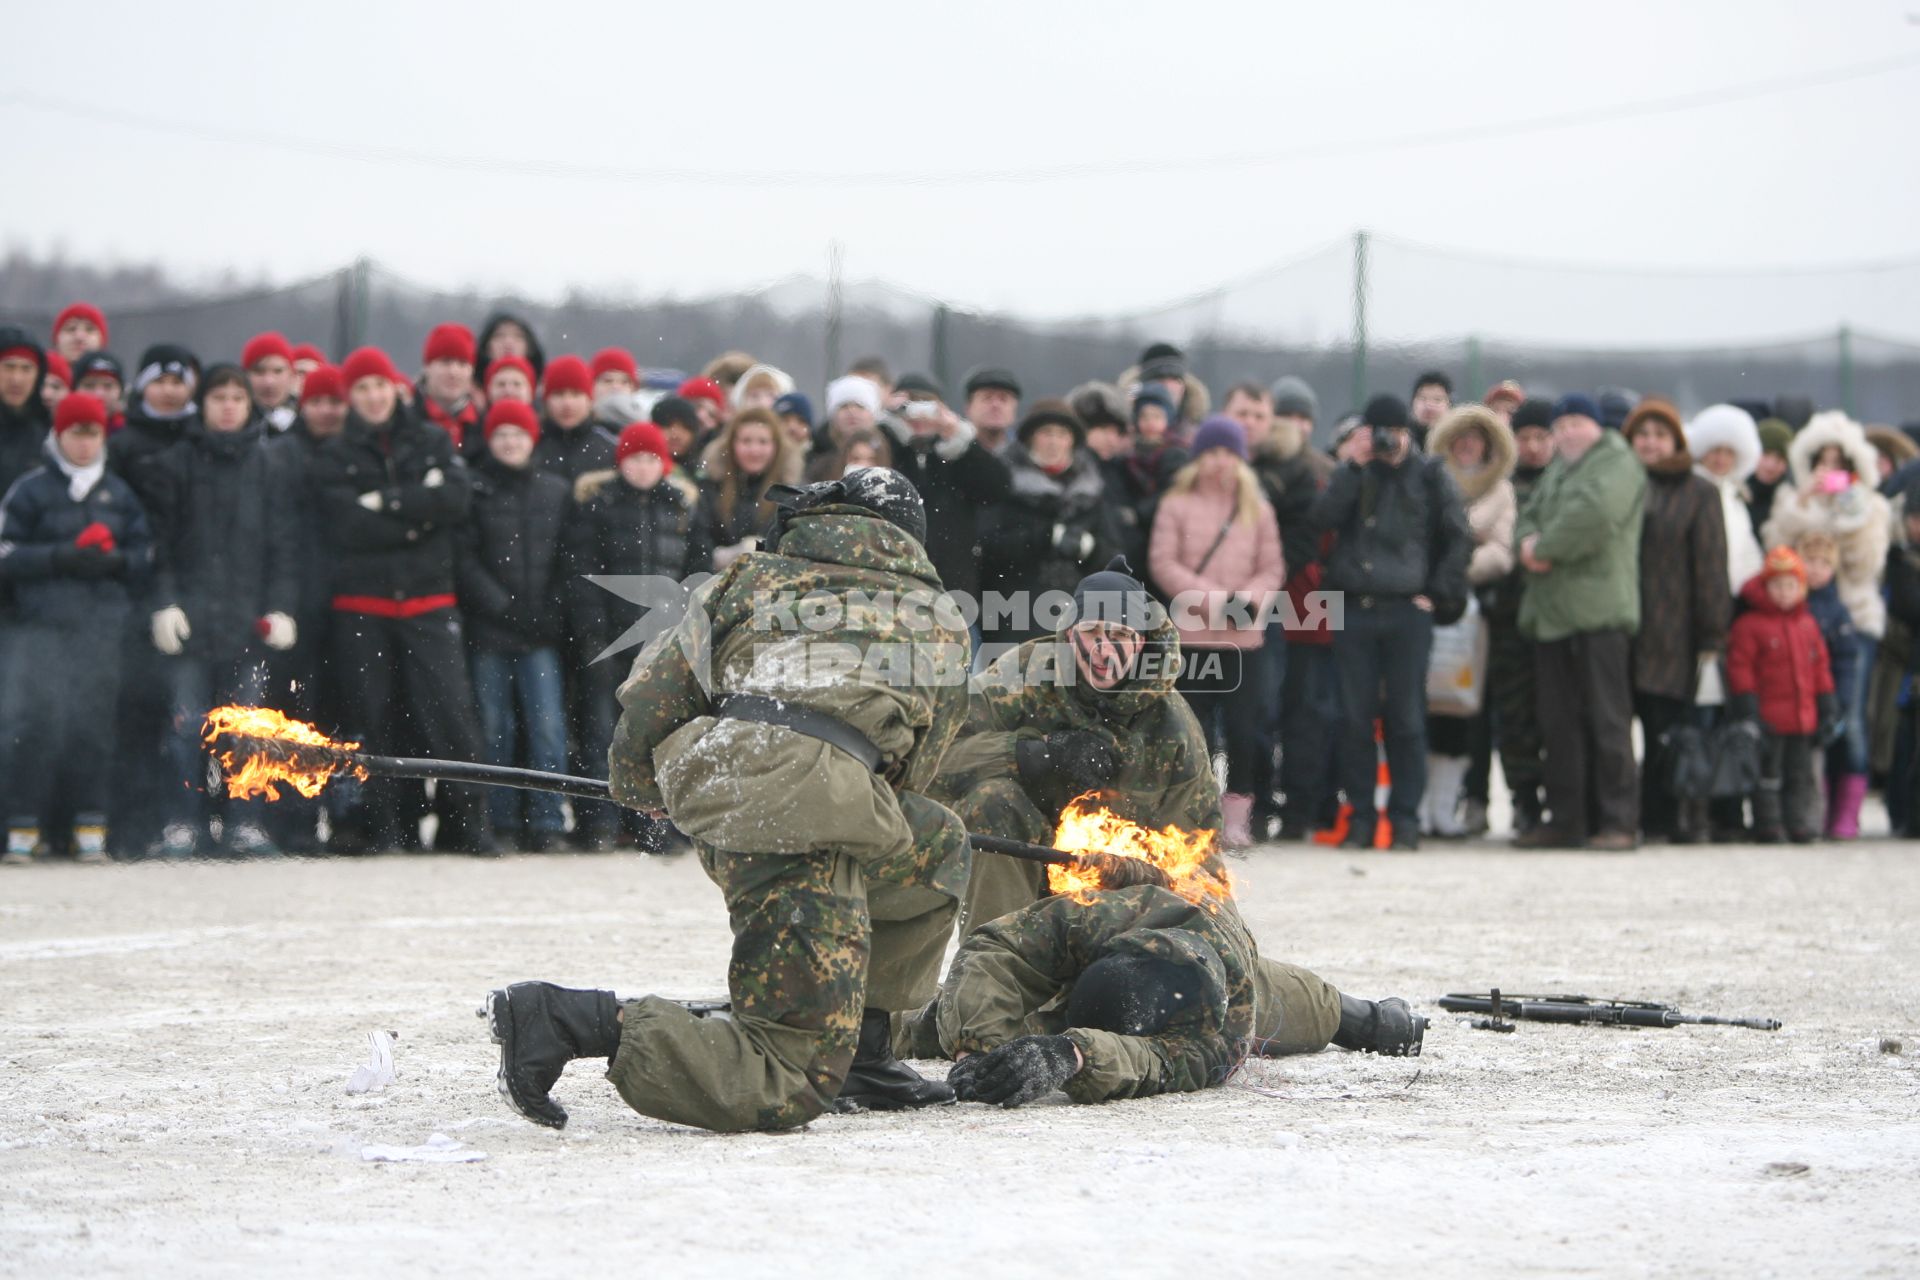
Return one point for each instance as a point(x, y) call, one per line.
point(1778, 675)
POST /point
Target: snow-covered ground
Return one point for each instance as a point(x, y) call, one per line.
point(175, 1044)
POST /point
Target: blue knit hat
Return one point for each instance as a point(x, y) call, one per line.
point(795, 405)
point(1576, 403)
point(1220, 432)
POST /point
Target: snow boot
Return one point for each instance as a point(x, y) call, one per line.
point(540, 1028)
point(878, 1081)
point(1528, 810)
point(22, 835)
point(1386, 1027)
point(1238, 831)
point(90, 837)
point(1445, 774)
point(1843, 811)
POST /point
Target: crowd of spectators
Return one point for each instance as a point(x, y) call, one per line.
point(408, 559)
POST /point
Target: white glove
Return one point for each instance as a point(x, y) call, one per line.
point(372, 500)
point(170, 630)
point(281, 631)
point(433, 479)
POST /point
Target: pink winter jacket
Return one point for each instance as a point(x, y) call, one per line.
point(1247, 564)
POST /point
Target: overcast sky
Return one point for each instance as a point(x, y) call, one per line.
point(1086, 105)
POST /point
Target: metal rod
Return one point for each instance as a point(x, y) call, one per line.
point(495, 775)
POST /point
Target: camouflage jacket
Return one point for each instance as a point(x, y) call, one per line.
point(1166, 775)
point(846, 618)
point(1010, 976)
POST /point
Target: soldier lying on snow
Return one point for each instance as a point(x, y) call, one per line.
point(1095, 709)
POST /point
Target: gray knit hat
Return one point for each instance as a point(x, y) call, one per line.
point(1292, 395)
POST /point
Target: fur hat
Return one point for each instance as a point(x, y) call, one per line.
point(1056, 413)
point(1654, 409)
point(1100, 404)
point(1501, 454)
point(852, 389)
point(1833, 427)
point(1721, 426)
point(1893, 444)
point(782, 382)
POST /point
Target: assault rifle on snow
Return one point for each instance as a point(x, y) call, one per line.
point(1615, 1013)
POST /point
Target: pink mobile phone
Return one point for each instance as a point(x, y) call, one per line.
point(1835, 482)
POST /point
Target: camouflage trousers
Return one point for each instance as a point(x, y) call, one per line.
point(1298, 1013)
point(817, 939)
point(1516, 721)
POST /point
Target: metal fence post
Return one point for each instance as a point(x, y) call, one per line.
point(1846, 369)
point(1475, 374)
point(942, 317)
point(1359, 319)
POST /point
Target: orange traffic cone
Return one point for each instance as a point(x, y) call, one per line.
point(1382, 787)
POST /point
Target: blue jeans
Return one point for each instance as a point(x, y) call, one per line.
point(1386, 643)
point(193, 686)
point(1851, 754)
point(517, 692)
point(1310, 742)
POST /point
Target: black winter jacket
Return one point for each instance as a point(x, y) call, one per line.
point(22, 430)
point(227, 551)
point(957, 480)
point(39, 520)
point(1402, 532)
point(132, 449)
point(572, 452)
point(405, 549)
point(511, 568)
point(619, 530)
point(298, 450)
point(1049, 533)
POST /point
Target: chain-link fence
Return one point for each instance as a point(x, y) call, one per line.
point(1352, 318)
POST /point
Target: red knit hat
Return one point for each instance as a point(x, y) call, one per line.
point(307, 351)
point(262, 345)
point(510, 362)
point(512, 413)
point(449, 342)
point(644, 437)
point(57, 367)
point(569, 373)
point(368, 362)
point(82, 311)
point(615, 360)
point(703, 389)
point(324, 382)
point(79, 409)
point(1782, 562)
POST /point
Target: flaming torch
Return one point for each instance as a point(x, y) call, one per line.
point(259, 750)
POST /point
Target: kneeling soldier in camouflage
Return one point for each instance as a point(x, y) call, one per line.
point(798, 770)
point(1135, 992)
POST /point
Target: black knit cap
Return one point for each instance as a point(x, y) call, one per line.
point(1533, 412)
point(94, 363)
point(1385, 411)
point(921, 384)
point(1134, 995)
point(1114, 596)
point(673, 411)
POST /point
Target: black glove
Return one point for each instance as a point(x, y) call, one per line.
point(68, 559)
point(1062, 765)
point(1075, 544)
point(1833, 724)
point(1744, 707)
point(1016, 1073)
point(1448, 610)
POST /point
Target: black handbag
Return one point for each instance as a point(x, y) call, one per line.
point(1734, 746)
point(1686, 762)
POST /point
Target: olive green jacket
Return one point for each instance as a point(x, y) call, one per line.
point(1589, 516)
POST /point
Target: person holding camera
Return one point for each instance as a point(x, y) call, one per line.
point(958, 478)
point(1400, 561)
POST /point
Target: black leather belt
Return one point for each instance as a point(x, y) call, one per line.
point(814, 724)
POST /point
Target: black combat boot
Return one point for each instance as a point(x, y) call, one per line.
point(540, 1028)
point(878, 1081)
point(1385, 1027)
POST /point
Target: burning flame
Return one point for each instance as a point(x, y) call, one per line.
point(264, 749)
point(1187, 857)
